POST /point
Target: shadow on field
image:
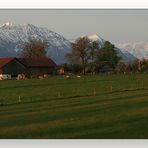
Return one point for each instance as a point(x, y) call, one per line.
point(32, 100)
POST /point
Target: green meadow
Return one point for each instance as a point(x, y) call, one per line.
point(100, 106)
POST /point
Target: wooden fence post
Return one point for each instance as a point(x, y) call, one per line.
point(111, 88)
point(59, 94)
point(94, 92)
point(19, 99)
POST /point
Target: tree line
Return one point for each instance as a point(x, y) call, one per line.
point(86, 56)
point(136, 66)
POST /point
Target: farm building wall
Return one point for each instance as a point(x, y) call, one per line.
point(14, 68)
point(41, 70)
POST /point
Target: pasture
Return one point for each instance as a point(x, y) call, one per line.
point(100, 106)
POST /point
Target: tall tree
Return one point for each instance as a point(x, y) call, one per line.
point(108, 54)
point(34, 49)
point(80, 53)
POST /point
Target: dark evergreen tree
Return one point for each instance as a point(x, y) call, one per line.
point(108, 54)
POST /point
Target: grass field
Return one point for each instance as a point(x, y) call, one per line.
point(101, 106)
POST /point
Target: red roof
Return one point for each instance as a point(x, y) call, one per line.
point(4, 61)
point(29, 62)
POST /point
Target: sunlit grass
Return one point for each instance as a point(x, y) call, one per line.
point(100, 106)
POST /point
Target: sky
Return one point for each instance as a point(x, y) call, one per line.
point(117, 26)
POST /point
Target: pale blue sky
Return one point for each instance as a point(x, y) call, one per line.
point(118, 26)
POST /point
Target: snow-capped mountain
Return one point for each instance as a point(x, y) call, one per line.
point(12, 37)
point(97, 38)
point(138, 49)
point(124, 54)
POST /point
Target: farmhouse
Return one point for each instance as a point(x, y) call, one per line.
point(12, 67)
point(39, 66)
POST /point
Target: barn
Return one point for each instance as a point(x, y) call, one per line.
point(38, 66)
point(11, 67)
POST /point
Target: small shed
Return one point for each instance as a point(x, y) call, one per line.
point(104, 66)
point(61, 70)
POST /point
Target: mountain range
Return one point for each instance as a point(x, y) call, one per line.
point(138, 49)
point(12, 36)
